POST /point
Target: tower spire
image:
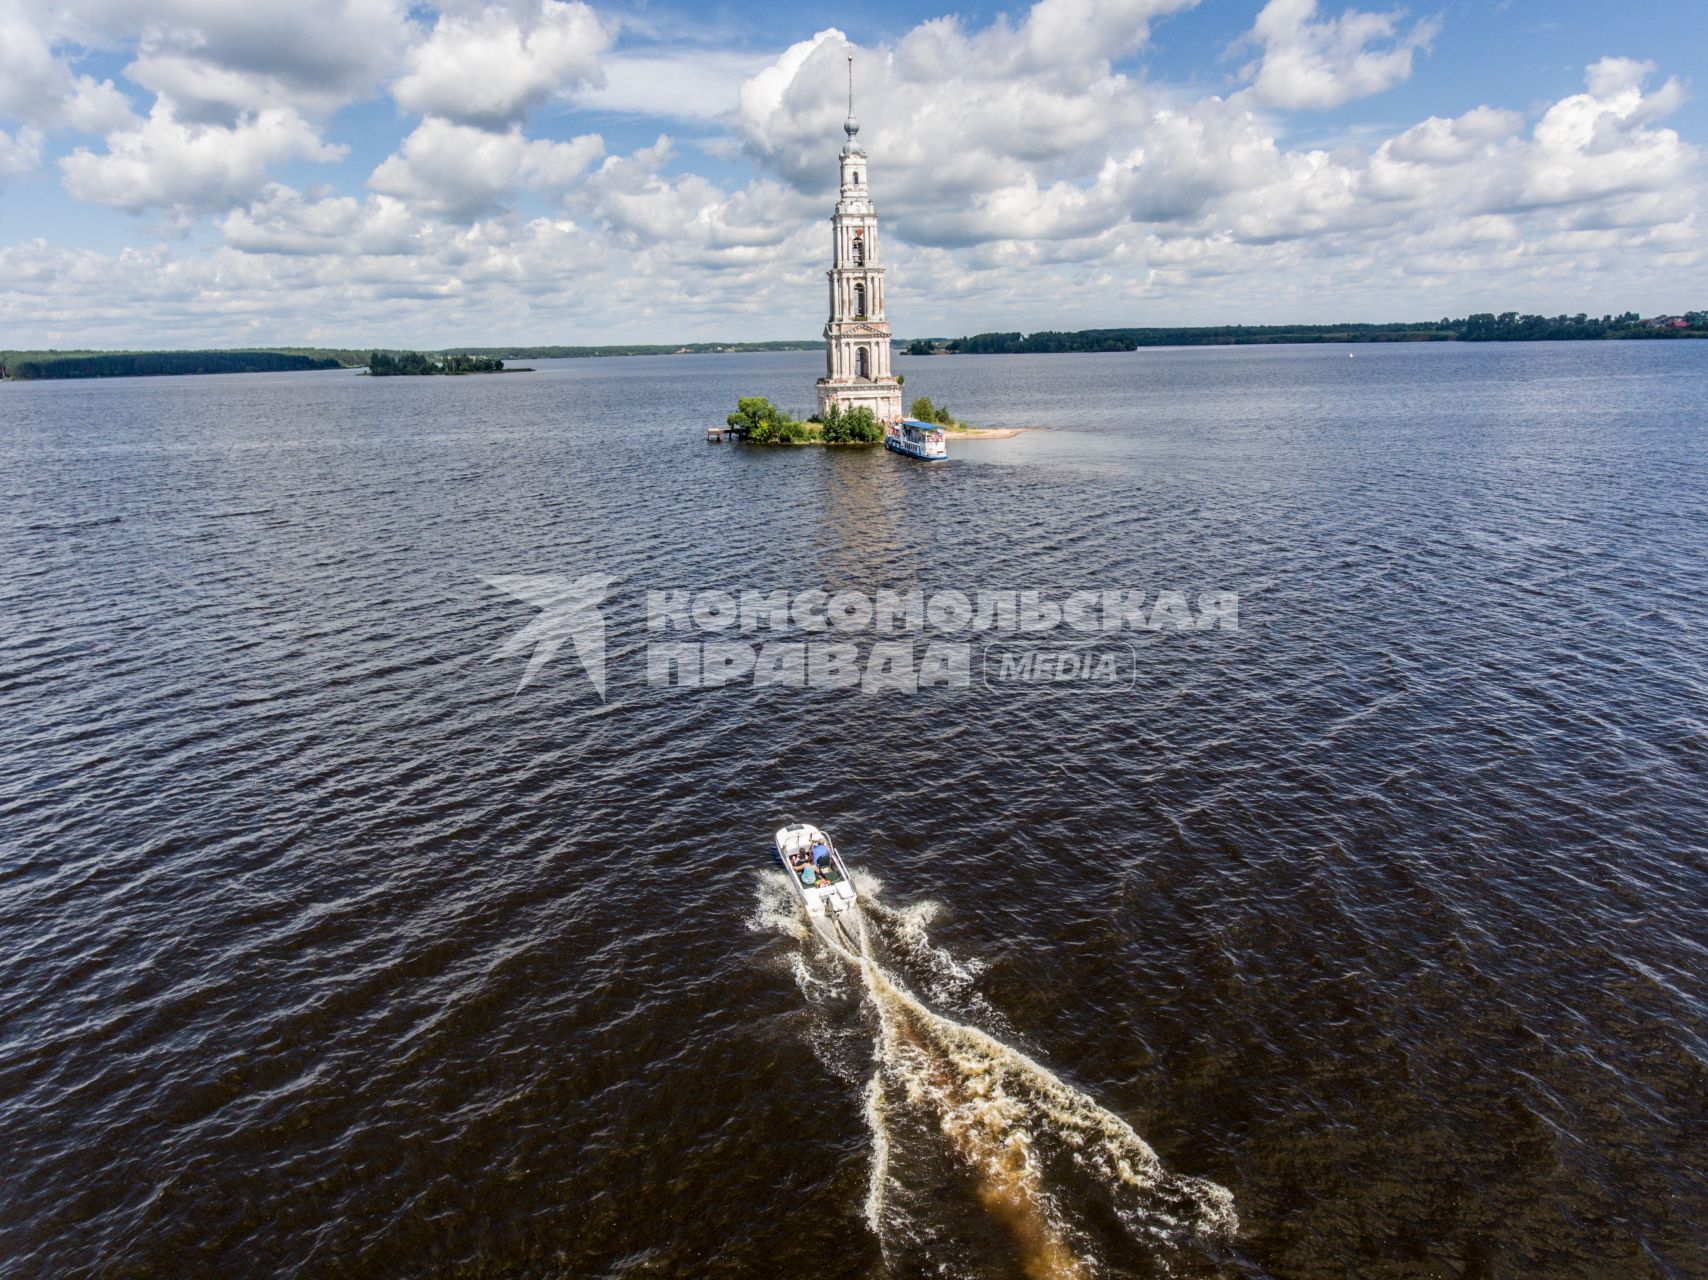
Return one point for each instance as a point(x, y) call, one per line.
point(851, 126)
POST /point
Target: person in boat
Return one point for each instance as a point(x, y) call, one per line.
point(821, 859)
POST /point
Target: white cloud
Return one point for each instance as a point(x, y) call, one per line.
point(688, 220)
point(38, 86)
point(492, 67)
point(1599, 143)
point(214, 60)
point(1022, 178)
point(283, 221)
point(458, 171)
point(1061, 33)
point(678, 84)
point(20, 153)
point(1308, 63)
point(163, 162)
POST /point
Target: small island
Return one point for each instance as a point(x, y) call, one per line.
point(418, 364)
point(757, 421)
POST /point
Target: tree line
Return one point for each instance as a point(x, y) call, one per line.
point(1507, 326)
point(140, 364)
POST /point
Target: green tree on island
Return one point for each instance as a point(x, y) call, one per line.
point(758, 421)
point(922, 410)
point(858, 425)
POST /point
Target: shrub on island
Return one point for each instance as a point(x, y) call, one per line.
point(758, 421)
point(858, 425)
point(922, 410)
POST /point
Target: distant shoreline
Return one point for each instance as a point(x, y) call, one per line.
point(30, 365)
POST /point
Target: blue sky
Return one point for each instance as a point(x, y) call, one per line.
point(361, 171)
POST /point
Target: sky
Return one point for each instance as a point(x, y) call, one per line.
point(183, 173)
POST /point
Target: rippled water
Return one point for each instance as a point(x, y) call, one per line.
point(329, 951)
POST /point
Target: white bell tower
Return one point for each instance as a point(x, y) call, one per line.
point(857, 335)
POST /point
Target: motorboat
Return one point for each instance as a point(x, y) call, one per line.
point(816, 871)
point(916, 439)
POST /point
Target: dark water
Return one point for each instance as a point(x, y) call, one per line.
point(328, 952)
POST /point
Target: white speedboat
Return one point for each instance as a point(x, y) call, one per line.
point(815, 868)
point(924, 440)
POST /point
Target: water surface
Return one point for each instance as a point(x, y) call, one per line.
point(328, 951)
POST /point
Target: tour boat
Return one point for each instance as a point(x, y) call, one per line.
point(924, 440)
point(821, 882)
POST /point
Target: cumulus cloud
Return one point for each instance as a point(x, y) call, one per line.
point(687, 219)
point(1024, 172)
point(38, 85)
point(1586, 148)
point(491, 67)
point(217, 61)
point(284, 221)
point(1599, 143)
point(457, 171)
point(163, 162)
point(703, 83)
point(19, 153)
point(1312, 63)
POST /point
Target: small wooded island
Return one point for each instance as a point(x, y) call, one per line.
point(417, 364)
point(757, 421)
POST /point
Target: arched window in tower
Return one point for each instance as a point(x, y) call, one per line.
point(861, 368)
point(859, 251)
point(860, 301)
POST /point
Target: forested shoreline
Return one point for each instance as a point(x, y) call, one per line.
point(1507, 326)
point(41, 364)
point(143, 364)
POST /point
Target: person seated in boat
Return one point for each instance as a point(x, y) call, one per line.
point(821, 860)
point(809, 877)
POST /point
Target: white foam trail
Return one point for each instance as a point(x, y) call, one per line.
point(879, 1177)
point(1015, 1125)
point(777, 910)
point(948, 979)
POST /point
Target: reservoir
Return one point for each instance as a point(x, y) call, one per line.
point(1364, 937)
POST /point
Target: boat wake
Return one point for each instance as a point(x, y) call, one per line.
point(957, 1115)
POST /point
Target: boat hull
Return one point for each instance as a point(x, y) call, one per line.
point(826, 898)
point(913, 451)
point(913, 438)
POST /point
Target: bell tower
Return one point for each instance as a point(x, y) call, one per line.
point(857, 335)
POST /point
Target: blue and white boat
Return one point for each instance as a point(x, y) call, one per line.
point(923, 440)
